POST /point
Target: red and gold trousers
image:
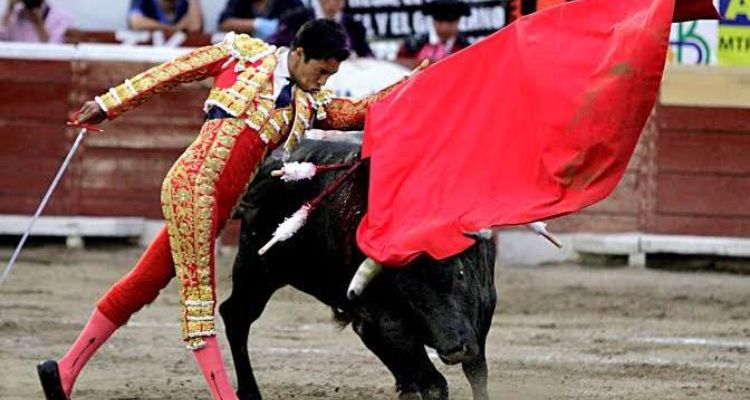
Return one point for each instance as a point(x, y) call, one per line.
point(198, 196)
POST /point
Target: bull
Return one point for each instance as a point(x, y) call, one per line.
point(443, 304)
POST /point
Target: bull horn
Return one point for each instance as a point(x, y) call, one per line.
point(368, 270)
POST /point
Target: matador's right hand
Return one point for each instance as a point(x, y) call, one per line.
point(90, 113)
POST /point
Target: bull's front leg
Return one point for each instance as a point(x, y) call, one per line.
point(251, 289)
point(476, 373)
point(432, 384)
point(416, 376)
point(395, 358)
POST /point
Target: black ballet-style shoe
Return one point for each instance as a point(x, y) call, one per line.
point(49, 376)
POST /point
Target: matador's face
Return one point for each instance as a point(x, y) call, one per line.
point(311, 74)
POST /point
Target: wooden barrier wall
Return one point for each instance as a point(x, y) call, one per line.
point(703, 176)
point(34, 97)
point(117, 173)
point(690, 174)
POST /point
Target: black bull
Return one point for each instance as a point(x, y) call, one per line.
point(447, 305)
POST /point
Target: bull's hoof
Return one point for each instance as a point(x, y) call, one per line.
point(436, 392)
point(49, 376)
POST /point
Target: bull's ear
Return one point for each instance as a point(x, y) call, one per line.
point(482, 234)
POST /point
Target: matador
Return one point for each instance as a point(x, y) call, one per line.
point(262, 98)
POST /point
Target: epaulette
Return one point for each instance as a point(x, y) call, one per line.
point(245, 48)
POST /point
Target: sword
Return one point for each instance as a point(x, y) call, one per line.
point(540, 228)
point(45, 199)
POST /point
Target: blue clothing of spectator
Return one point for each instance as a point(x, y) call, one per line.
point(249, 9)
point(151, 9)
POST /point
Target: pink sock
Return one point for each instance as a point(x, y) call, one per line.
point(212, 366)
point(97, 330)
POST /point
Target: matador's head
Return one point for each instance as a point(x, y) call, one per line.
point(318, 49)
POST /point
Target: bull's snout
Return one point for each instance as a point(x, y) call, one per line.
point(461, 354)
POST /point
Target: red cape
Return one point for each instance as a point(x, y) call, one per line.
point(536, 121)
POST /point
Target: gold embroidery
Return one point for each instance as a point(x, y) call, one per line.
point(223, 100)
point(246, 48)
point(252, 81)
point(185, 68)
point(322, 98)
point(349, 114)
point(189, 205)
point(277, 125)
point(257, 116)
point(302, 112)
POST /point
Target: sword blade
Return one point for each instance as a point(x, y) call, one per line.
point(43, 203)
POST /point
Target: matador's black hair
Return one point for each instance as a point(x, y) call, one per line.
point(322, 39)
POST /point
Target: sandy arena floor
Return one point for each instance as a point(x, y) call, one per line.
point(561, 332)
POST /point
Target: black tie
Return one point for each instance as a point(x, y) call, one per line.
point(285, 97)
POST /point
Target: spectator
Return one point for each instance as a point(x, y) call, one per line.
point(333, 10)
point(442, 40)
point(34, 21)
point(168, 15)
point(259, 18)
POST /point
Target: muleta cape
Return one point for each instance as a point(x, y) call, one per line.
point(535, 121)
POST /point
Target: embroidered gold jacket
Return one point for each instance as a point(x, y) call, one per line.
point(243, 68)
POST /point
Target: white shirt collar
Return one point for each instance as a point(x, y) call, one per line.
point(281, 72)
point(282, 66)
